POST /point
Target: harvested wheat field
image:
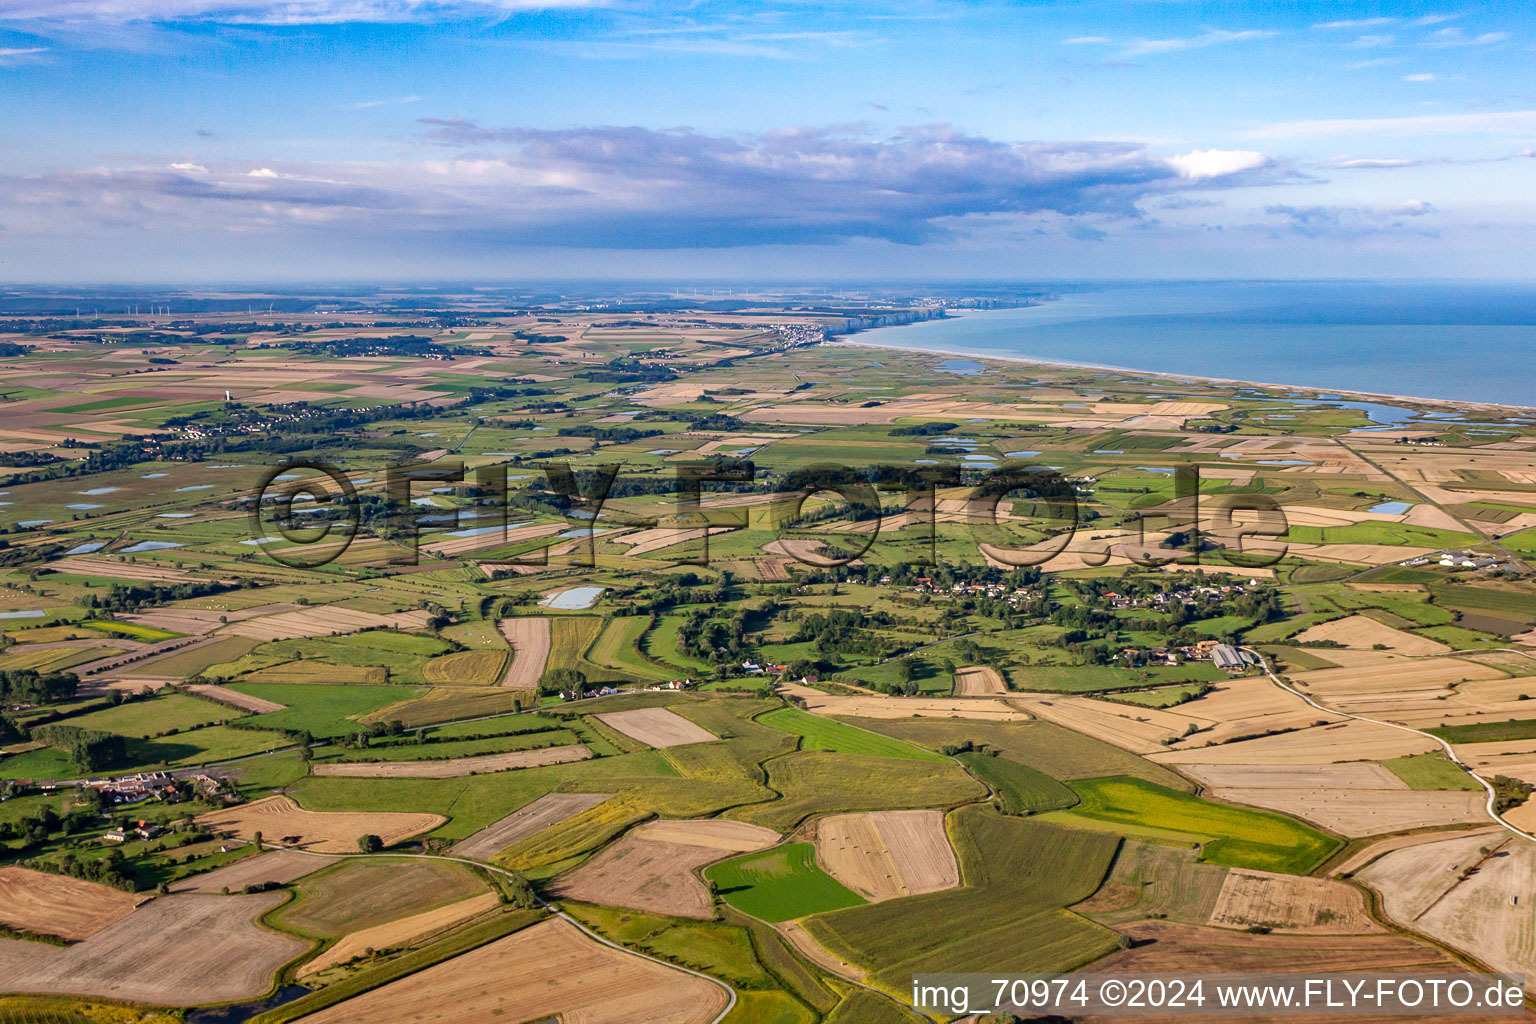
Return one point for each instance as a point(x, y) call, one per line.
point(1360, 858)
point(547, 971)
point(236, 699)
point(1478, 902)
point(185, 950)
point(118, 570)
point(280, 866)
point(1366, 812)
point(397, 933)
point(879, 706)
point(530, 650)
point(549, 809)
point(457, 767)
point(657, 727)
point(1351, 775)
point(1290, 903)
point(70, 908)
point(652, 867)
point(326, 621)
point(883, 855)
point(1361, 631)
point(1348, 740)
point(979, 681)
point(279, 819)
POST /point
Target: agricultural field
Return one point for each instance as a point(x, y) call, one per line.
point(1227, 834)
point(901, 763)
point(279, 818)
point(782, 884)
point(542, 970)
point(651, 868)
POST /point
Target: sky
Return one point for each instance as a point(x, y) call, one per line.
point(272, 141)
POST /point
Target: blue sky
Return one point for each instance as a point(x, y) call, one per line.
point(226, 140)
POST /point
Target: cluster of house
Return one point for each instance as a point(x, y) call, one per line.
point(925, 585)
point(123, 833)
point(753, 668)
point(132, 789)
point(1461, 560)
point(609, 691)
point(1224, 656)
point(1183, 595)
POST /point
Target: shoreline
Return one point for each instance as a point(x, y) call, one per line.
point(1381, 398)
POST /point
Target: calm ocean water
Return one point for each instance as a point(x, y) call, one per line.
point(1466, 342)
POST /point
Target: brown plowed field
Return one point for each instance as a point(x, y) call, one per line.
point(979, 681)
point(549, 809)
point(1328, 744)
point(114, 569)
point(550, 970)
point(530, 651)
point(277, 817)
point(457, 767)
point(326, 621)
point(652, 867)
point(1365, 812)
point(281, 866)
point(71, 908)
point(182, 950)
point(887, 854)
point(657, 727)
point(1306, 906)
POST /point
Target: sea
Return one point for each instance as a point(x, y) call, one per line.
point(1460, 342)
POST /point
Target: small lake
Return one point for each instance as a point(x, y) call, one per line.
point(22, 615)
point(573, 600)
point(150, 545)
point(1392, 508)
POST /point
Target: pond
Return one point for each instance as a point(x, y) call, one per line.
point(573, 600)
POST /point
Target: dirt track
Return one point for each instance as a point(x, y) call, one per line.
point(529, 638)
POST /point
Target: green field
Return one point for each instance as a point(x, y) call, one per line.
point(1234, 836)
point(357, 894)
point(1487, 732)
point(780, 884)
point(818, 733)
point(1430, 771)
point(1018, 875)
point(821, 782)
point(170, 712)
point(1020, 788)
point(321, 710)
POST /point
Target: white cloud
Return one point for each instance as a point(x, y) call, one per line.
point(190, 168)
point(369, 104)
point(1214, 163)
point(1083, 40)
point(1508, 122)
point(1455, 37)
point(1215, 37)
point(1355, 23)
point(266, 12)
point(1370, 42)
point(1422, 76)
point(262, 172)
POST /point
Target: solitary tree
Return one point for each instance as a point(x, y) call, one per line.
point(370, 843)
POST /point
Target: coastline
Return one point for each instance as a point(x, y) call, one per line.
point(1345, 394)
